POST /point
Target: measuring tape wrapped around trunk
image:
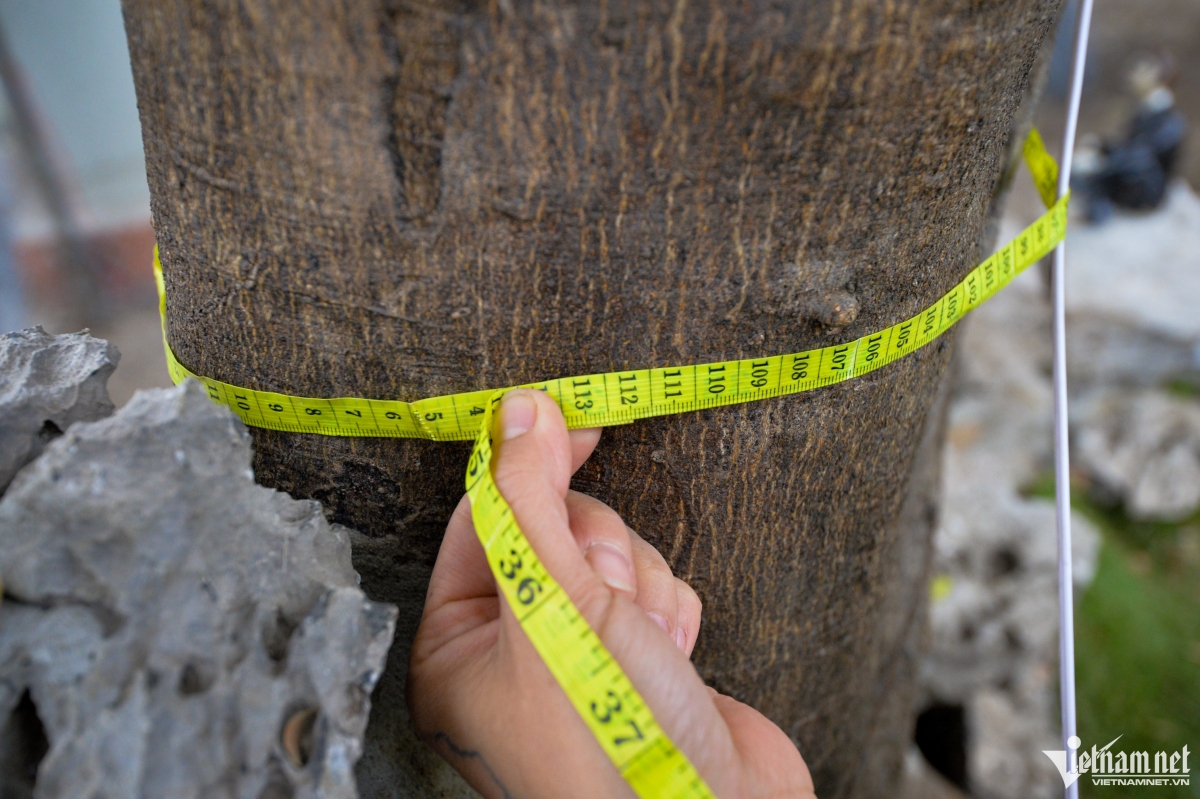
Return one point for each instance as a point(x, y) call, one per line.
point(576, 657)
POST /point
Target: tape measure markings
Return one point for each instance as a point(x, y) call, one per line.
point(613, 398)
point(590, 677)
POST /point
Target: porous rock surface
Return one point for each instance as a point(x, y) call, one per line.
point(1142, 446)
point(1132, 331)
point(165, 617)
point(1131, 292)
point(1134, 328)
point(46, 384)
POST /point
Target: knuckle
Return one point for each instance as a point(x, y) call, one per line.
point(652, 564)
point(689, 596)
point(599, 528)
point(596, 604)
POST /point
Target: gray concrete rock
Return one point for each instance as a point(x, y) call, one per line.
point(1142, 447)
point(997, 618)
point(1001, 412)
point(1107, 352)
point(179, 630)
point(920, 781)
point(1005, 733)
point(46, 384)
point(1134, 326)
point(1131, 291)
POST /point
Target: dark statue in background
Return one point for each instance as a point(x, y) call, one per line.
point(1134, 173)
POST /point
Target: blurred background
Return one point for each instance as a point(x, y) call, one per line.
point(75, 235)
point(990, 675)
point(75, 251)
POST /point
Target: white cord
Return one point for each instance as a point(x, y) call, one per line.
point(1062, 467)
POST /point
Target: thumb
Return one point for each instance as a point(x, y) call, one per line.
point(531, 468)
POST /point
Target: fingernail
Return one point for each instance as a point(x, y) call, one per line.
point(681, 639)
point(612, 566)
point(518, 412)
point(661, 621)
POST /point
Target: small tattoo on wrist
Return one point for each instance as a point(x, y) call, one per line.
point(469, 754)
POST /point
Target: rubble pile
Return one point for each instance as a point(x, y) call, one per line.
point(1134, 366)
point(1141, 448)
point(993, 615)
point(1132, 296)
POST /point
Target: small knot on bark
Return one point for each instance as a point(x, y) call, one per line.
point(835, 309)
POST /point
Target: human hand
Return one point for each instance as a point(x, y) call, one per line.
point(481, 696)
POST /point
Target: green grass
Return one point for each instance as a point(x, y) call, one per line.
point(1137, 643)
point(1182, 388)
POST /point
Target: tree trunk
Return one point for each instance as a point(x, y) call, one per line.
point(402, 199)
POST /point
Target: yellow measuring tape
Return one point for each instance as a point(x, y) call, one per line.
point(579, 661)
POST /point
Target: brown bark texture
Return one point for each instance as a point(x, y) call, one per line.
point(397, 199)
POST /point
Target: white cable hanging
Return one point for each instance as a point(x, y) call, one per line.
point(1062, 468)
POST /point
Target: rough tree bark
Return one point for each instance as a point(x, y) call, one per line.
point(401, 199)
